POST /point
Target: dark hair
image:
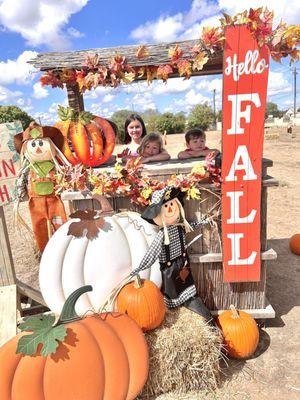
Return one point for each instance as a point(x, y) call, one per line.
point(194, 134)
point(130, 118)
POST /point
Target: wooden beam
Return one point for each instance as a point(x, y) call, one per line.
point(30, 292)
point(256, 313)
point(218, 257)
point(7, 271)
point(158, 54)
point(8, 313)
point(75, 98)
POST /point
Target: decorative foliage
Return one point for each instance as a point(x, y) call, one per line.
point(282, 42)
point(127, 181)
point(88, 225)
point(43, 332)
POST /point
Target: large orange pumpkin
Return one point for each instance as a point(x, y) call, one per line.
point(102, 357)
point(240, 333)
point(88, 139)
point(295, 243)
point(143, 302)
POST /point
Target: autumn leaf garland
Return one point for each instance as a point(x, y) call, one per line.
point(282, 42)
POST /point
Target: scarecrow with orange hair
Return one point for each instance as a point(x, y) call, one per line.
point(41, 157)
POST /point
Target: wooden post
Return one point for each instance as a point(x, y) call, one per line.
point(8, 288)
point(75, 98)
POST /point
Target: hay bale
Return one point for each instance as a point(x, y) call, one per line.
point(184, 355)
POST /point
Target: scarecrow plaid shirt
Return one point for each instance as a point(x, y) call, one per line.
point(22, 183)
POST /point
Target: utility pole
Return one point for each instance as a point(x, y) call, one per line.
point(295, 74)
point(214, 108)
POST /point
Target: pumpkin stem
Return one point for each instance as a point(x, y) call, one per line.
point(234, 311)
point(68, 312)
point(137, 282)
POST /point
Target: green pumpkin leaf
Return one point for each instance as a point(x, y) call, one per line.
point(43, 332)
point(85, 117)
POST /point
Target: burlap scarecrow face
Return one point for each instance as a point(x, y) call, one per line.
point(170, 213)
point(39, 150)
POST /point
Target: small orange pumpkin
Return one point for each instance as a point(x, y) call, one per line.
point(295, 244)
point(240, 333)
point(99, 357)
point(143, 302)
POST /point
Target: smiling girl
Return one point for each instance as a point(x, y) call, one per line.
point(151, 149)
point(135, 130)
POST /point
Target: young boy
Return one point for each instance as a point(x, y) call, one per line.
point(195, 142)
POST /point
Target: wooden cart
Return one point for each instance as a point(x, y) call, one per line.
point(206, 253)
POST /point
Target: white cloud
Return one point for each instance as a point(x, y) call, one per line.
point(40, 21)
point(105, 112)
point(142, 102)
point(165, 29)
point(108, 98)
point(39, 92)
point(200, 8)
point(75, 33)
point(175, 85)
point(17, 71)
point(210, 85)
point(7, 95)
point(288, 10)
point(202, 13)
point(99, 92)
point(192, 98)
point(44, 118)
point(277, 84)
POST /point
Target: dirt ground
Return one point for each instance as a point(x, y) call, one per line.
point(274, 371)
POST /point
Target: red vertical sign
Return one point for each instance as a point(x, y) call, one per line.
point(245, 79)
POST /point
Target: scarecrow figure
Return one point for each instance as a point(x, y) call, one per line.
point(40, 150)
point(169, 245)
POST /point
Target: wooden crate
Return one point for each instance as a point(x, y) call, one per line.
point(206, 253)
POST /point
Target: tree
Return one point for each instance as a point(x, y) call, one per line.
point(13, 113)
point(119, 118)
point(166, 123)
point(219, 116)
point(179, 122)
point(150, 118)
point(272, 109)
point(201, 116)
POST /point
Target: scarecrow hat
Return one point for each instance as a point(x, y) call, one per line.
point(36, 131)
point(160, 197)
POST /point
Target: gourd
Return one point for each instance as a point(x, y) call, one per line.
point(69, 262)
point(295, 243)
point(88, 139)
point(99, 357)
point(240, 333)
point(143, 302)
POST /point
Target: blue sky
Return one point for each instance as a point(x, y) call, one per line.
point(28, 27)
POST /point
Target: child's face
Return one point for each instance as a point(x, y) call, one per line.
point(151, 149)
point(196, 143)
point(135, 129)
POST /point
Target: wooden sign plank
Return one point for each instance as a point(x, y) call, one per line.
point(8, 313)
point(9, 161)
point(245, 80)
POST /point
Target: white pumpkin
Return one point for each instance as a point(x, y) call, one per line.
point(69, 262)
